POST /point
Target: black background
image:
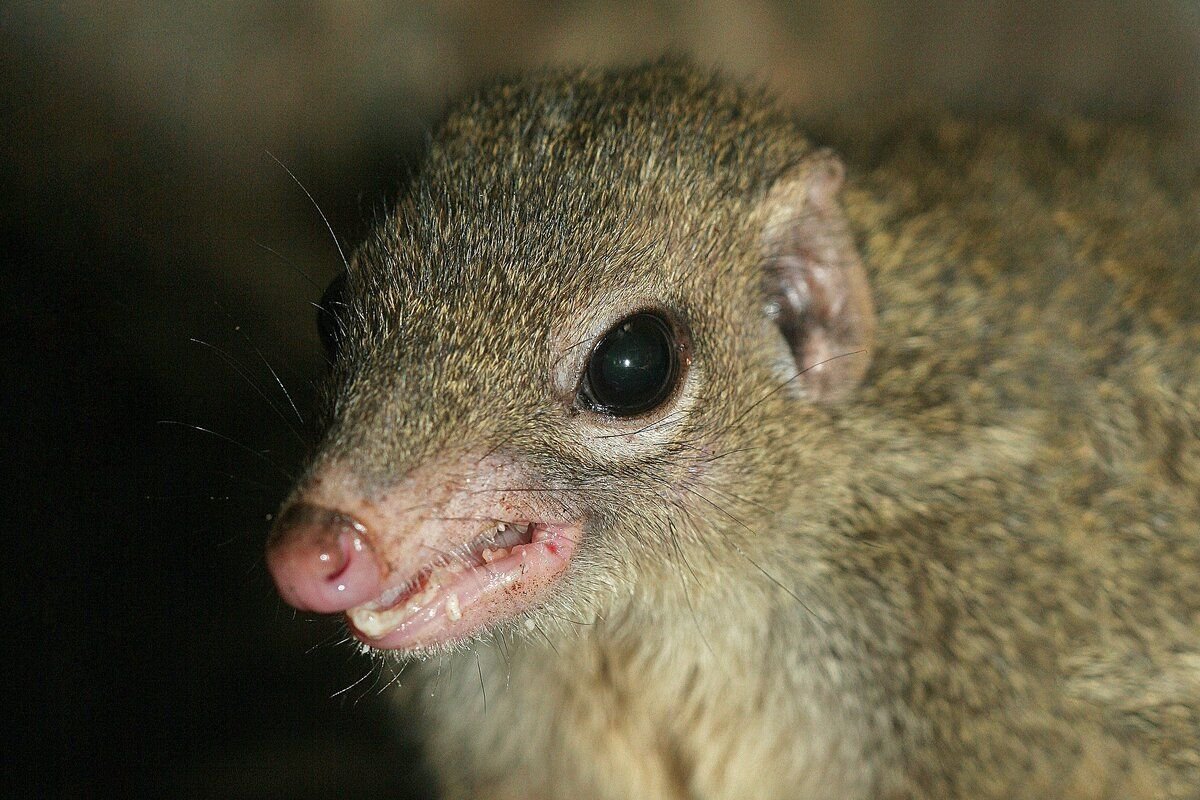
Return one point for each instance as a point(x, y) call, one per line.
point(140, 211)
point(153, 657)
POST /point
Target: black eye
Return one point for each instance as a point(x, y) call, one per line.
point(633, 369)
point(330, 311)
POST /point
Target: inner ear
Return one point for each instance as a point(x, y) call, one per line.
point(819, 295)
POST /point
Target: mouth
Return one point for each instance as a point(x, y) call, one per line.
point(504, 571)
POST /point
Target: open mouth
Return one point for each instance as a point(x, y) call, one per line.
point(502, 572)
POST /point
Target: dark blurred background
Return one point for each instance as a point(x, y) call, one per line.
point(160, 268)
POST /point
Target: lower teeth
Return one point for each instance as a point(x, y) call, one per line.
point(418, 600)
point(490, 555)
point(377, 622)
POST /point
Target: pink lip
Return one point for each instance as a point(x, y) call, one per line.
point(448, 601)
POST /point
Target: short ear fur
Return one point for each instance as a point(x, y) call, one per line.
point(820, 298)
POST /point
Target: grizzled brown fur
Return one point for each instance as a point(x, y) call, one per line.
point(974, 574)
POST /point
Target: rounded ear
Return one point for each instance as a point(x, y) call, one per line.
point(819, 296)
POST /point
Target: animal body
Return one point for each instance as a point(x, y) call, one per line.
point(692, 459)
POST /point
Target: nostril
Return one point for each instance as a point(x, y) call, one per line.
point(350, 548)
point(321, 559)
point(335, 555)
point(336, 559)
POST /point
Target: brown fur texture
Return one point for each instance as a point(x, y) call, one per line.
point(977, 575)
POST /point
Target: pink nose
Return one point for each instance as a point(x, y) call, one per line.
point(322, 560)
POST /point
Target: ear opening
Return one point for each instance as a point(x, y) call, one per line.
point(819, 295)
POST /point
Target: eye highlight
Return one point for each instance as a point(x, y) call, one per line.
point(633, 368)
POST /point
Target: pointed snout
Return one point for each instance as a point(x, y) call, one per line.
point(321, 559)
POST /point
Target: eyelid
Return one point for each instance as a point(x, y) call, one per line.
point(330, 311)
